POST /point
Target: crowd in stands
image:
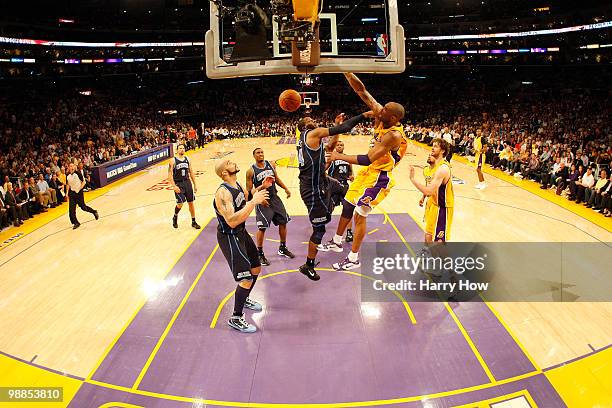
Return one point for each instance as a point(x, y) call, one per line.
point(558, 136)
point(564, 144)
point(41, 137)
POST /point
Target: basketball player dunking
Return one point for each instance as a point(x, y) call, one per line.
point(316, 188)
point(179, 173)
point(343, 172)
point(232, 209)
point(373, 183)
point(272, 211)
point(441, 201)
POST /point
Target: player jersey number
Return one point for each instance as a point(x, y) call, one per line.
point(184, 172)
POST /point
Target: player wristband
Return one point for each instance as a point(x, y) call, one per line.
point(363, 160)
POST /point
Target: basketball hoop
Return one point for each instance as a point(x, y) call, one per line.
point(307, 103)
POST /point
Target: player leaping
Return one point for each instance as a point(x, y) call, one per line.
point(374, 182)
point(316, 188)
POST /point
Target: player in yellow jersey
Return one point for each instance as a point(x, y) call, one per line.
point(439, 214)
point(479, 159)
point(373, 182)
point(428, 175)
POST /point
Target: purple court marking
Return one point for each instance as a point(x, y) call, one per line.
point(538, 386)
point(502, 354)
point(372, 351)
point(125, 360)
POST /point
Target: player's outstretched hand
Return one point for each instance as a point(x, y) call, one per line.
point(268, 181)
point(260, 196)
point(421, 201)
point(339, 119)
point(288, 192)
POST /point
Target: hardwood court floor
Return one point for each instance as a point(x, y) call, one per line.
point(68, 296)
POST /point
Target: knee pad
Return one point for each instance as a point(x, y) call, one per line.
point(317, 234)
point(347, 209)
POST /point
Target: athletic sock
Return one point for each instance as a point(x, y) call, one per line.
point(253, 283)
point(283, 245)
point(337, 239)
point(240, 297)
point(260, 250)
point(193, 220)
point(176, 211)
point(310, 262)
point(353, 256)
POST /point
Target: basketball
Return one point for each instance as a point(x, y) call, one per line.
point(290, 100)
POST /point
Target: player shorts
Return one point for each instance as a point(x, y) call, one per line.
point(320, 202)
point(368, 189)
point(275, 213)
point(240, 252)
point(186, 194)
point(479, 160)
point(337, 198)
point(438, 222)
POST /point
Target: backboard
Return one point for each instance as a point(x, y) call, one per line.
point(361, 38)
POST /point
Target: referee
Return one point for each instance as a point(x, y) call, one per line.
point(76, 183)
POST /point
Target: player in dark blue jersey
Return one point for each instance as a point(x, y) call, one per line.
point(318, 191)
point(232, 210)
point(273, 210)
point(179, 173)
point(343, 172)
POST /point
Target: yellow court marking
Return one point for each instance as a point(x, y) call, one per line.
point(574, 381)
point(124, 328)
point(516, 340)
point(174, 317)
point(470, 342)
point(15, 374)
point(272, 240)
point(119, 405)
point(396, 293)
point(585, 382)
point(503, 323)
point(450, 311)
point(319, 405)
point(373, 231)
point(215, 318)
point(487, 403)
